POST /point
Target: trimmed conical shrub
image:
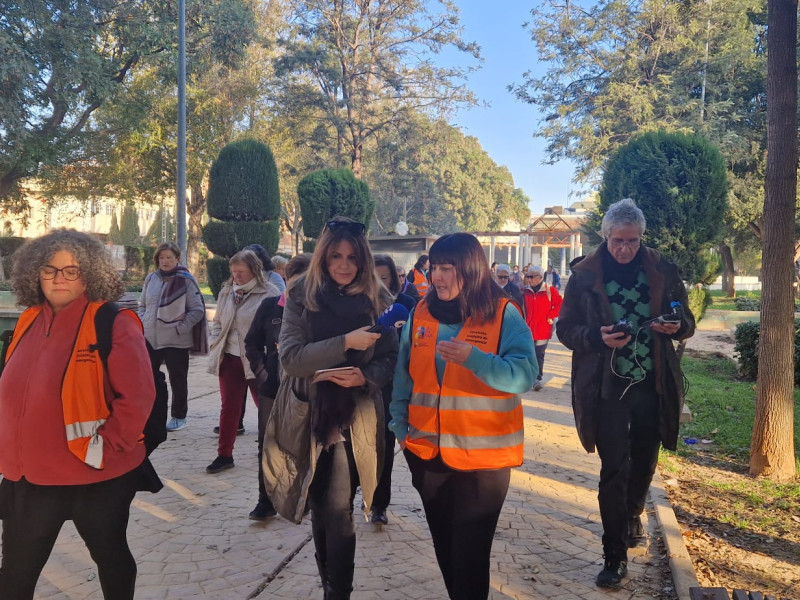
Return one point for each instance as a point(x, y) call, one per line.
point(244, 205)
point(330, 192)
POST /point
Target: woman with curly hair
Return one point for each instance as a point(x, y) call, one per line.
point(70, 425)
point(324, 437)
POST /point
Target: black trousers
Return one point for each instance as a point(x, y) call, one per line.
point(462, 508)
point(177, 361)
point(33, 516)
point(540, 350)
point(627, 442)
point(383, 492)
point(331, 497)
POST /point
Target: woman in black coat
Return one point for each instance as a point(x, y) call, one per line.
point(261, 349)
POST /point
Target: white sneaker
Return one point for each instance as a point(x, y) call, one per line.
point(176, 424)
point(536, 388)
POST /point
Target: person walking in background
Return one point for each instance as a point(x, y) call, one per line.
point(552, 278)
point(330, 433)
point(387, 273)
point(516, 277)
point(237, 303)
point(406, 287)
point(542, 304)
point(419, 275)
point(503, 279)
point(270, 274)
point(465, 356)
point(627, 388)
point(280, 263)
point(56, 466)
point(261, 349)
point(173, 314)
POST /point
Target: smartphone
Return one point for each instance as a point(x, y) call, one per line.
point(668, 319)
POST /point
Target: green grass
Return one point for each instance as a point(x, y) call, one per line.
point(720, 302)
point(723, 408)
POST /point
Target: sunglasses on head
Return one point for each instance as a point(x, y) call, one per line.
point(350, 227)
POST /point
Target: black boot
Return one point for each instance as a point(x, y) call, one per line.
point(340, 585)
point(322, 574)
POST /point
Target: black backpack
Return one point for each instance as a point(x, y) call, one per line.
point(155, 430)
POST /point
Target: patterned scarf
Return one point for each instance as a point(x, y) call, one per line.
point(172, 304)
point(238, 292)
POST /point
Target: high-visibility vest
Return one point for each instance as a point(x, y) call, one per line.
point(471, 425)
point(82, 389)
point(420, 281)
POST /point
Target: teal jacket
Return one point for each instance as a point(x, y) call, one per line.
point(514, 369)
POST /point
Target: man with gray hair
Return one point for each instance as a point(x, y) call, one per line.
point(542, 303)
point(623, 306)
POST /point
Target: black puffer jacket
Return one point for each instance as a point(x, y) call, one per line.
point(586, 308)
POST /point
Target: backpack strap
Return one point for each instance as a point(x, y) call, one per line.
point(103, 324)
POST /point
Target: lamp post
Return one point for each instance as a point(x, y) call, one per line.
point(180, 210)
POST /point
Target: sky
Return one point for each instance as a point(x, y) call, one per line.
point(505, 129)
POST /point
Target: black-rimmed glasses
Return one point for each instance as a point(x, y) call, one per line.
point(69, 273)
point(350, 227)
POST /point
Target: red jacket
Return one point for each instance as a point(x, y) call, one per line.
point(541, 309)
point(33, 441)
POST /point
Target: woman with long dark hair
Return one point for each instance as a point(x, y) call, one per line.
point(465, 356)
point(386, 271)
point(325, 434)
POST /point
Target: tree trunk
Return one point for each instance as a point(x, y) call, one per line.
point(772, 447)
point(196, 207)
point(728, 271)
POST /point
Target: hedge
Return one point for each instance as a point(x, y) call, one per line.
point(331, 192)
point(746, 350)
point(699, 301)
point(243, 183)
point(226, 238)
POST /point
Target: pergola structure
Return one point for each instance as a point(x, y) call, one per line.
point(553, 229)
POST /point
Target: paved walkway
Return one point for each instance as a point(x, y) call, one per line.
point(193, 540)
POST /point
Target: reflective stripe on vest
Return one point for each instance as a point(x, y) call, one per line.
point(82, 389)
point(472, 425)
point(420, 282)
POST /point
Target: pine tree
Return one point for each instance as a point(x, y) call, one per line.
point(114, 235)
point(129, 226)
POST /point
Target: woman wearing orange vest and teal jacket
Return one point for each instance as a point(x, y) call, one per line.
point(465, 356)
point(70, 430)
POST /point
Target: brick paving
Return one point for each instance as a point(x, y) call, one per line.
point(193, 540)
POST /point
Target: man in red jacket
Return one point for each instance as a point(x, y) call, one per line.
point(542, 305)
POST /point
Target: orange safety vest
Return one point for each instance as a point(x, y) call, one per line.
point(82, 389)
point(472, 425)
point(420, 282)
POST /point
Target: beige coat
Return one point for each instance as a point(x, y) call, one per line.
point(290, 448)
point(229, 317)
